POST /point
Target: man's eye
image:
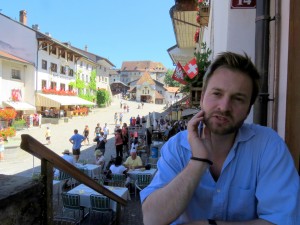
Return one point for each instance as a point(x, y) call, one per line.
point(239, 99)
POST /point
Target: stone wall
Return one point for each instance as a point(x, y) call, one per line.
point(20, 201)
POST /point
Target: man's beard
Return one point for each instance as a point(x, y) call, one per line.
point(215, 128)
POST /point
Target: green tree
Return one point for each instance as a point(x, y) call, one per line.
point(102, 97)
point(79, 84)
point(92, 83)
point(169, 80)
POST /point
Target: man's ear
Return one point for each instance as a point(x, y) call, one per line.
point(201, 98)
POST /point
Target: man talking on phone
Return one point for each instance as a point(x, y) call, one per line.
point(230, 172)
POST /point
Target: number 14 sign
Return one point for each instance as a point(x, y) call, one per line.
point(243, 4)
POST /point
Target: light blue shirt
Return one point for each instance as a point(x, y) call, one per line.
point(77, 139)
point(258, 180)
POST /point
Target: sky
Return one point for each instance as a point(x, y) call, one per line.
point(119, 30)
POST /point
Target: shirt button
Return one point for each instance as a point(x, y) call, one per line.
point(218, 190)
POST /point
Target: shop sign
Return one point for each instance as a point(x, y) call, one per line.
point(243, 4)
point(16, 95)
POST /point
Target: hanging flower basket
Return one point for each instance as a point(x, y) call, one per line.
point(58, 92)
point(8, 113)
point(203, 13)
point(8, 132)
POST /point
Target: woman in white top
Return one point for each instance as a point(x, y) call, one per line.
point(118, 168)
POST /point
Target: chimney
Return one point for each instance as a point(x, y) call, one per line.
point(86, 48)
point(23, 17)
point(48, 34)
point(35, 27)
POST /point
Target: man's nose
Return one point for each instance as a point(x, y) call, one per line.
point(224, 104)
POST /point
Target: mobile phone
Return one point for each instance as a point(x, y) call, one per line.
point(200, 129)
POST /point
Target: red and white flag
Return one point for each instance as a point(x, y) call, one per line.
point(191, 68)
point(179, 74)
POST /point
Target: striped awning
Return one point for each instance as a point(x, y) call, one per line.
point(19, 105)
point(56, 101)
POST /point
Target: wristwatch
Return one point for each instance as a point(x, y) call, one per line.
point(212, 222)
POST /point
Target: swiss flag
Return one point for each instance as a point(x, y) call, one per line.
point(179, 74)
point(191, 68)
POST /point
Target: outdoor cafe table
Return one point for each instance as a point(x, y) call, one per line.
point(92, 169)
point(133, 173)
point(85, 193)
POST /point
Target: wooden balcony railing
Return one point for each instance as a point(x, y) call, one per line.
point(49, 160)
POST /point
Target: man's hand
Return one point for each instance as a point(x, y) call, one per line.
point(201, 146)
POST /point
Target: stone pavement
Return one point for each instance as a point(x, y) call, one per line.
point(19, 162)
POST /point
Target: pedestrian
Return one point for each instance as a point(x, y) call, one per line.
point(142, 105)
point(121, 103)
point(105, 130)
point(101, 143)
point(125, 138)
point(97, 130)
point(121, 117)
point(86, 133)
point(127, 108)
point(138, 120)
point(116, 118)
point(119, 143)
point(76, 141)
point(227, 170)
point(124, 108)
point(130, 121)
point(48, 135)
point(1, 148)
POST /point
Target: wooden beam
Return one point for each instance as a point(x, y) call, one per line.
point(35, 148)
point(47, 180)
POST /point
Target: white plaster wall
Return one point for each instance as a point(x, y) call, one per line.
point(17, 39)
point(53, 77)
point(170, 97)
point(25, 84)
point(231, 30)
point(284, 42)
point(20, 41)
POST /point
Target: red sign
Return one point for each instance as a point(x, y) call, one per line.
point(16, 95)
point(243, 4)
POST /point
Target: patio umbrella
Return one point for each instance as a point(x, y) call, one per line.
point(148, 125)
point(154, 121)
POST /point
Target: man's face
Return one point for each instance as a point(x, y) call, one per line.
point(226, 101)
point(133, 155)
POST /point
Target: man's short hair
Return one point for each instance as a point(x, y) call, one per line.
point(76, 131)
point(235, 62)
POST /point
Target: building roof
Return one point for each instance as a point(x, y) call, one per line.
point(132, 90)
point(143, 66)
point(146, 78)
point(114, 72)
point(93, 56)
point(158, 95)
point(172, 89)
point(8, 56)
point(119, 82)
